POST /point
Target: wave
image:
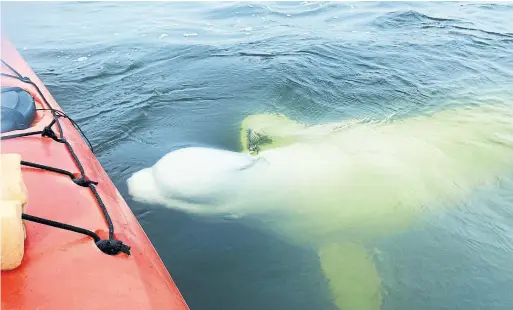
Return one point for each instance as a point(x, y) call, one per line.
point(409, 18)
point(277, 9)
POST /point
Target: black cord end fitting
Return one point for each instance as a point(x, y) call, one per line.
point(113, 247)
point(83, 182)
point(48, 132)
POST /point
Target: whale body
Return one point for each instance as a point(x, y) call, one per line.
point(335, 186)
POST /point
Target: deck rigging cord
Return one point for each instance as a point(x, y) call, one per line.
point(110, 246)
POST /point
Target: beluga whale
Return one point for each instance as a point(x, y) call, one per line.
point(334, 187)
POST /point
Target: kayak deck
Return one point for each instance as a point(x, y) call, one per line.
point(64, 269)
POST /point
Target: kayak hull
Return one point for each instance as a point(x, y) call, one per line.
point(63, 269)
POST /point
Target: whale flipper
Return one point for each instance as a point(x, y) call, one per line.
point(353, 279)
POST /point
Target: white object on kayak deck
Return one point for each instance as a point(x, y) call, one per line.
point(13, 199)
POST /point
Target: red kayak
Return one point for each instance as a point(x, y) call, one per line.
point(84, 248)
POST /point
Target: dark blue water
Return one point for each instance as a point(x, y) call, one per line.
point(143, 79)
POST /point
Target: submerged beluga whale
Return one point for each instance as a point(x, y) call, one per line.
point(334, 187)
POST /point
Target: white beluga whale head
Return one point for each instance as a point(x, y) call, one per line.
point(335, 186)
point(195, 179)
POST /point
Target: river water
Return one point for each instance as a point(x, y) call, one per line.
point(143, 79)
